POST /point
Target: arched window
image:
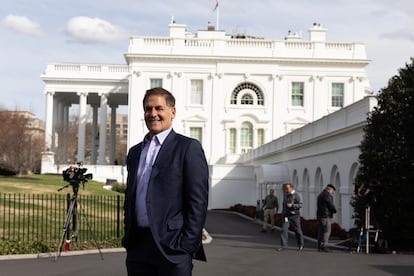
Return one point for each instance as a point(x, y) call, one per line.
point(247, 94)
point(246, 99)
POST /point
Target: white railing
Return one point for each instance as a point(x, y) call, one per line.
point(248, 47)
point(67, 67)
point(87, 68)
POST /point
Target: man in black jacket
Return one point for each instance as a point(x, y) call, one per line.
point(292, 203)
point(325, 211)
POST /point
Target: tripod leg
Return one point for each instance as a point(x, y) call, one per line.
point(360, 239)
point(65, 229)
point(75, 220)
point(90, 230)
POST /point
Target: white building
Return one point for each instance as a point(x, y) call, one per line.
point(234, 94)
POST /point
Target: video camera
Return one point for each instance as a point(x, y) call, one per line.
point(75, 174)
point(366, 188)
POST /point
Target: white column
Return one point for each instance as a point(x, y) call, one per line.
point(55, 122)
point(135, 111)
point(102, 129)
point(113, 135)
point(94, 144)
point(59, 132)
point(227, 140)
point(82, 125)
point(254, 142)
point(278, 101)
point(65, 132)
point(49, 120)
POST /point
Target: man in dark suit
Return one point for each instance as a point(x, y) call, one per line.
point(167, 195)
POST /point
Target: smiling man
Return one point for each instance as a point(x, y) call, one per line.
point(167, 195)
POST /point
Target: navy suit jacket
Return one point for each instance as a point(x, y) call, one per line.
point(177, 197)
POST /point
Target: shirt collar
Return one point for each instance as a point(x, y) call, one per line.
point(160, 137)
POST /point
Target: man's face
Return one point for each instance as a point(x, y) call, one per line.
point(288, 189)
point(158, 116)
point(330, 190)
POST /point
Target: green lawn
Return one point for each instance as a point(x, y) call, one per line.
point(32, 212)
point(42, 183)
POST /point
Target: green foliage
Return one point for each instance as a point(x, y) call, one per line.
point(119, 187)
point(33, 206)
point(6, 170)
point(8, 247)
point(12, 247)
point(48, 183)
point(387, 159)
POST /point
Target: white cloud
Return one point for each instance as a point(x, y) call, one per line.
point(22, 24)
point(94, 30)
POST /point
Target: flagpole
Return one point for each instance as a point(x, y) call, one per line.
point(217, 18)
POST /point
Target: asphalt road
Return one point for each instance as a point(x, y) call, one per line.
point(237, 248)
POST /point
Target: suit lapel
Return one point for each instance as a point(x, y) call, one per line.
point(134, 167)
point(164, 153)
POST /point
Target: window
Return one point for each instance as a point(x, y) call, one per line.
point(260, 136)
point(246, 137)
point(246, 99)
point(155, 83)
point(196, 96)
point(246, 96)
point(297, 93)
point(337, 94)
point(233, 140)
point(196, 133)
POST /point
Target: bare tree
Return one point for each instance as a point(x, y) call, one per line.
point(20, 145)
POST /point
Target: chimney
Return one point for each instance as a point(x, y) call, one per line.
point(177, 30)
point(317, 33)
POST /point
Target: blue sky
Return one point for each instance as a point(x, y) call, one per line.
point(35, 33)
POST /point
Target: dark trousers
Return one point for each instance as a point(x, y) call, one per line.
point(294, 222)
point(146, 259)
point(324, 231)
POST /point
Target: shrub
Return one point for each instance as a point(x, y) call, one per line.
point(309, 227)
point(6, 170)
point(249, 211)
point(118, 187)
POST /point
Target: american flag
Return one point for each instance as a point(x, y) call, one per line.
point(216, 6)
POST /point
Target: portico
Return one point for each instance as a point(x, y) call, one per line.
point(95, 94)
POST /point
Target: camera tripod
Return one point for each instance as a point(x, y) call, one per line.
point(365, 232)
point(72, 215)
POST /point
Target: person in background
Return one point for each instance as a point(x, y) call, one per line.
point(270, 208)
point(292, 203)
point(167, 195)
point(324, 214)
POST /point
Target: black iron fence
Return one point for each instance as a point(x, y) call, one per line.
point(41, 217)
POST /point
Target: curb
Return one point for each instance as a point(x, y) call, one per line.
point(208, 239)
point(63, 254)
